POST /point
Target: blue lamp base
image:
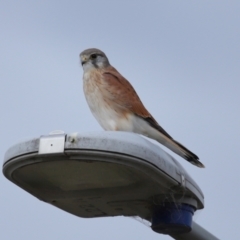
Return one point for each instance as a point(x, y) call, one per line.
point(172, 218)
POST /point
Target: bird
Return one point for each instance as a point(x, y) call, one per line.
point(117, 107)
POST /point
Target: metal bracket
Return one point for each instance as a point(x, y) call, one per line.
point(52, 143)
point(183, 181)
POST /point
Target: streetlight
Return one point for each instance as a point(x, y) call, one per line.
point(108, 174)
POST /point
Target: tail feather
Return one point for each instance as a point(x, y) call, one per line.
point(179, 149)
point(155, 131)
point(189, 156)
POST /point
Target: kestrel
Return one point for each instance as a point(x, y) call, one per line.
point(117, 107)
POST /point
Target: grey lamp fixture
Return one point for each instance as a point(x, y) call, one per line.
point(108, 174)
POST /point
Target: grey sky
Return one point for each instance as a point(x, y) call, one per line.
point(182, 57)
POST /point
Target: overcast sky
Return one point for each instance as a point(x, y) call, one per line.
point(182, 57)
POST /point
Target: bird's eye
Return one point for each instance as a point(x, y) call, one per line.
point(93, 56)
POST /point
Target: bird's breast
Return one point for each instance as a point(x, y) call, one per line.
point(95, 90)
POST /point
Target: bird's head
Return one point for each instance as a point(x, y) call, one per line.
point(93, 58)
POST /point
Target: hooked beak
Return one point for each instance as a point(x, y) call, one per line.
point(83, 60)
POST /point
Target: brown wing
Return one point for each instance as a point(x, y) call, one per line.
point(124, 95)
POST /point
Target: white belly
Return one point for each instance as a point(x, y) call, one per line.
point(106, 117)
